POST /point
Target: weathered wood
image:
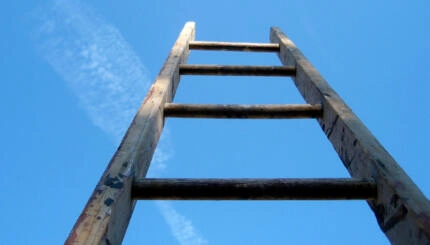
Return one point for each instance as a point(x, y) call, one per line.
point(253, 189)
point(402, 211)
point(242, 111)
point(106, 216)
point(229, 70)
point(235, 46)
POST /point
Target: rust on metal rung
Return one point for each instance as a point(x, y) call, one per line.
point(236, 70)
point(242, 111)
point(254, 189)
point(234, 46)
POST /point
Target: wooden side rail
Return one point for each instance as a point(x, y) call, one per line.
point(105, 218)
point(402, 211)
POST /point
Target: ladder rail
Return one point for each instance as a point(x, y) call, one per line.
point(105, 217)
point(402, 210)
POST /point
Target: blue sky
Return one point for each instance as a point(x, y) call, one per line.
point(74, 73)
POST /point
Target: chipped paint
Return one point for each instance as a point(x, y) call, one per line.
point(108, 201)
point(96, 224)
point(149, 95)
point(114, 182)
point(399, 200)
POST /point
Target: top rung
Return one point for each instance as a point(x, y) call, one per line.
point(234, 46)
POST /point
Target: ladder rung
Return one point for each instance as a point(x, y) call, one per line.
point(234, 46)
point(234, 70)
point(242, 111)
point(253, 189)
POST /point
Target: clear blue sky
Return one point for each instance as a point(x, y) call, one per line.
point(75, 72)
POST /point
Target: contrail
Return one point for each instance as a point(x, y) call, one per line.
point(109, 80)
point(96, 62)
point(181, 227)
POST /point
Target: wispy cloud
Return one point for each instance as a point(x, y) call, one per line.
point(97, 63)
point(109, 80)
point(181, 227)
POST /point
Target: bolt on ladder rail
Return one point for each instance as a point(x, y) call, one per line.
point(401, 209)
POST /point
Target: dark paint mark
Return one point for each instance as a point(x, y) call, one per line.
point(113, 182)
point(380, 214)
point(330, 130)
point(348, 164)
point(394, 200)
point(109, 201)
point(344, 156)
point(381, 164)
point(342, 138)
point(398, 216)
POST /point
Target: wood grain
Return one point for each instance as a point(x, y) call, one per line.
point(105, 218)
point(402, 211)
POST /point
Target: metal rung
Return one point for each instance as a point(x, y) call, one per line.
point(253, 189)
point(234, 46)
point(227, 70)
point(242, 111)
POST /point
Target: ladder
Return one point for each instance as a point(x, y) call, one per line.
point(401, 209)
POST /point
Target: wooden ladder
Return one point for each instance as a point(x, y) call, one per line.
point(401, 209)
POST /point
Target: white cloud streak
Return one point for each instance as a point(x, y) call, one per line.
point(181, 227)
point(109, 80)
point(96, 62)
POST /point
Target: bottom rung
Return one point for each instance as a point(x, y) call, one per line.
point(253, 189)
